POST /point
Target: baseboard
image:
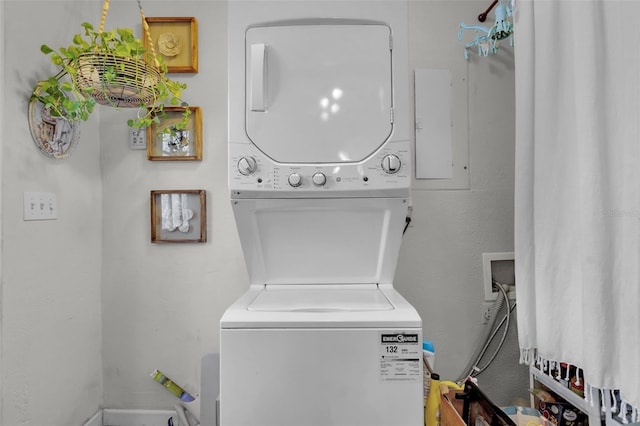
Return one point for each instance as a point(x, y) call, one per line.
point(96, 420)
point(114, 417)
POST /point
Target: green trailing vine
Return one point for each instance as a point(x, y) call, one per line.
point(65, 99)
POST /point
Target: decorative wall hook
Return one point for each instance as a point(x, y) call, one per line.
point(486, 39)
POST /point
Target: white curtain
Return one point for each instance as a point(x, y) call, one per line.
point(577, 208)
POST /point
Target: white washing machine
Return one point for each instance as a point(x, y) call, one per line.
point(319, 174)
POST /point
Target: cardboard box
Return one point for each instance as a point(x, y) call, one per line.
point(450, 407)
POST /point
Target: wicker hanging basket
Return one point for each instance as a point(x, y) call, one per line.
point(118, 81)
point(111, 68)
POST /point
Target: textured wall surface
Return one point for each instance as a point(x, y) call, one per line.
point(51, 282)
point(440, 267)
point(162, 302)
point(90, 307)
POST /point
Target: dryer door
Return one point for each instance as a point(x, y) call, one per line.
point(319, 92)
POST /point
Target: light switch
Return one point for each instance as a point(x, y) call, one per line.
point(40, 206)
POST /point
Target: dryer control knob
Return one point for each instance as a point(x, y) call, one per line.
point(295, 180)
point(319, 179)
point(391, 164)
point(247, 165)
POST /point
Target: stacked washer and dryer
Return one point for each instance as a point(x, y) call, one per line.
point(319, 174)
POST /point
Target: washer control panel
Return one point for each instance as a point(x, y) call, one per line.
point(253, 174)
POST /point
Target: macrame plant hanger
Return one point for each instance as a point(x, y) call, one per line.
point(119, 81)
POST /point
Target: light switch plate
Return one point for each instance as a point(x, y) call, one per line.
point(40, 206)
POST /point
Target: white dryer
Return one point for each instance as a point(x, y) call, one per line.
point(319, 174)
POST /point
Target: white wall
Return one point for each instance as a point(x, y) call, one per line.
point(2, 139)
point(162, 302)
point(51, 313)
point(440, 268)
point(90, 307)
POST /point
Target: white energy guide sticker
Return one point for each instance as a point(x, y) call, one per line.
point(400, 357)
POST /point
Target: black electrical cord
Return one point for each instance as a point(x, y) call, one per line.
point(407, 221)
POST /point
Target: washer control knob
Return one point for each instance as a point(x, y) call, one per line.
point(295, 180)
point(391, 164)
point(319, 179)
point(247, 165)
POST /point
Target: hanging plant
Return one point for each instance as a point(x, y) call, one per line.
point(110, 68)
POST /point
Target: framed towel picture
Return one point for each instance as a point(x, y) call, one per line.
point(175, 40)
point(178, 216)
point(163, 143)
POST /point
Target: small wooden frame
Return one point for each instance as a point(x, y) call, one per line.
point(184, 145)
point(175, 40)
point(179, 216)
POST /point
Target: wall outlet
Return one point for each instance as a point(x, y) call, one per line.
point(487, 311)
point(138, 138)
point(40, 206)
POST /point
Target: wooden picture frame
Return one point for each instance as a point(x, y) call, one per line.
point(179, 216)
point(181, 145)
point(175, 40)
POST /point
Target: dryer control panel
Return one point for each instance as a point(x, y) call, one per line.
point(385, 173)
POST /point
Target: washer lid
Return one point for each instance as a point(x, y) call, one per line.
point(325, 298)
point(319, 91)
point(320, 241)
